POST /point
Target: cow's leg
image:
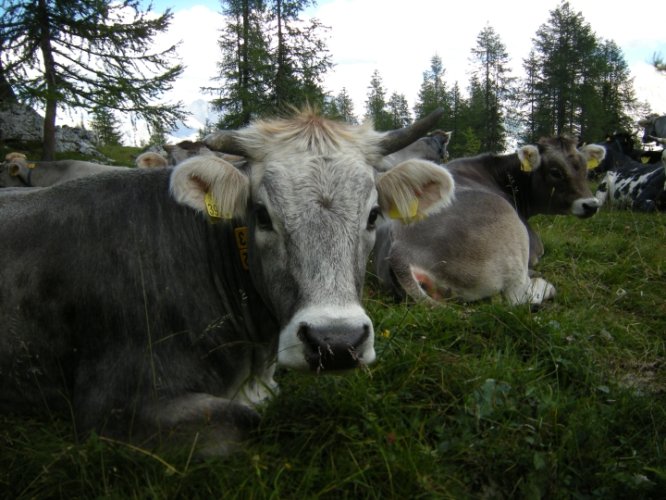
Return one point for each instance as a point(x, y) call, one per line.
point(536, 245)
point(540, 290)
point(213, 426)
point(529, 290)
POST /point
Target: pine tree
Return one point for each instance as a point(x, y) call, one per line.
point(246, 66)
point(105, 126)
point(576, 83)
point(157, 134)
point(341, 107)
point(433, 94)
point(496, 87)
point(527, 95)
point(271, 60)
point(458, 122)
point(301, 57)
point(616, 96)
point(85, 54)
point(398, 110)
point(565, 47)
point(375, 105)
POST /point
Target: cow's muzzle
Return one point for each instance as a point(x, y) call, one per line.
point(333, 348)
point(585, 207)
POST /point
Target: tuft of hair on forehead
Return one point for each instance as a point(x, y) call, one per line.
point(562, 142)
point(306, 131)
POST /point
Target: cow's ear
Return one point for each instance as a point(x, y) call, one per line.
point(414, 189)
point(212, 186)
point(593, 154)
point(529, 157)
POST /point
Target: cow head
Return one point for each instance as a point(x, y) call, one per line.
point(14, 170)
point(312, 198)
point(151, 159)
point(559, 182)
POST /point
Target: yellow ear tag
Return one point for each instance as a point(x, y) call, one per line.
point(525, 165)
point(592, 163)
point(211, 208)
point(32, 165)
point(413, 210)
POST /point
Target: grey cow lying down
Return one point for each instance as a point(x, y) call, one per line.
point(482, 245)
point(154, 304)
point(17, 171)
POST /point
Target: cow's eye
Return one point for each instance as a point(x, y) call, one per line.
point(263, 219)
point(556, 174)
point(372, 218)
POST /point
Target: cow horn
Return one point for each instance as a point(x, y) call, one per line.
point(401, 138)
point(224, 141)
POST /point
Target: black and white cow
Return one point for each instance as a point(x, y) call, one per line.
point(621, 144)
point(634, 185)
point(482, 244)
point(154, 304)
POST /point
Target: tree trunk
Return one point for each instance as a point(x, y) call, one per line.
point(48, 152)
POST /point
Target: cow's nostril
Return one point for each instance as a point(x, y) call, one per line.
point(333, 347)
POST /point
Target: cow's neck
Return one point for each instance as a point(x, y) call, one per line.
point(234, 283)
point(515, 184)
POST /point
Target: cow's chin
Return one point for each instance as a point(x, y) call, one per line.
point(585, 207)
point(327, 339)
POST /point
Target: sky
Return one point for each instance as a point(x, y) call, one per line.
point(399, 39)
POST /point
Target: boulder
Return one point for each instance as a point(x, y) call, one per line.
point(21, 123)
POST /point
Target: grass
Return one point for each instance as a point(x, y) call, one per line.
point(476, 400)
point(119, 155)
point(465, 401)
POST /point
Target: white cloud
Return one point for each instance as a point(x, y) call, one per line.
point(197, 28)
